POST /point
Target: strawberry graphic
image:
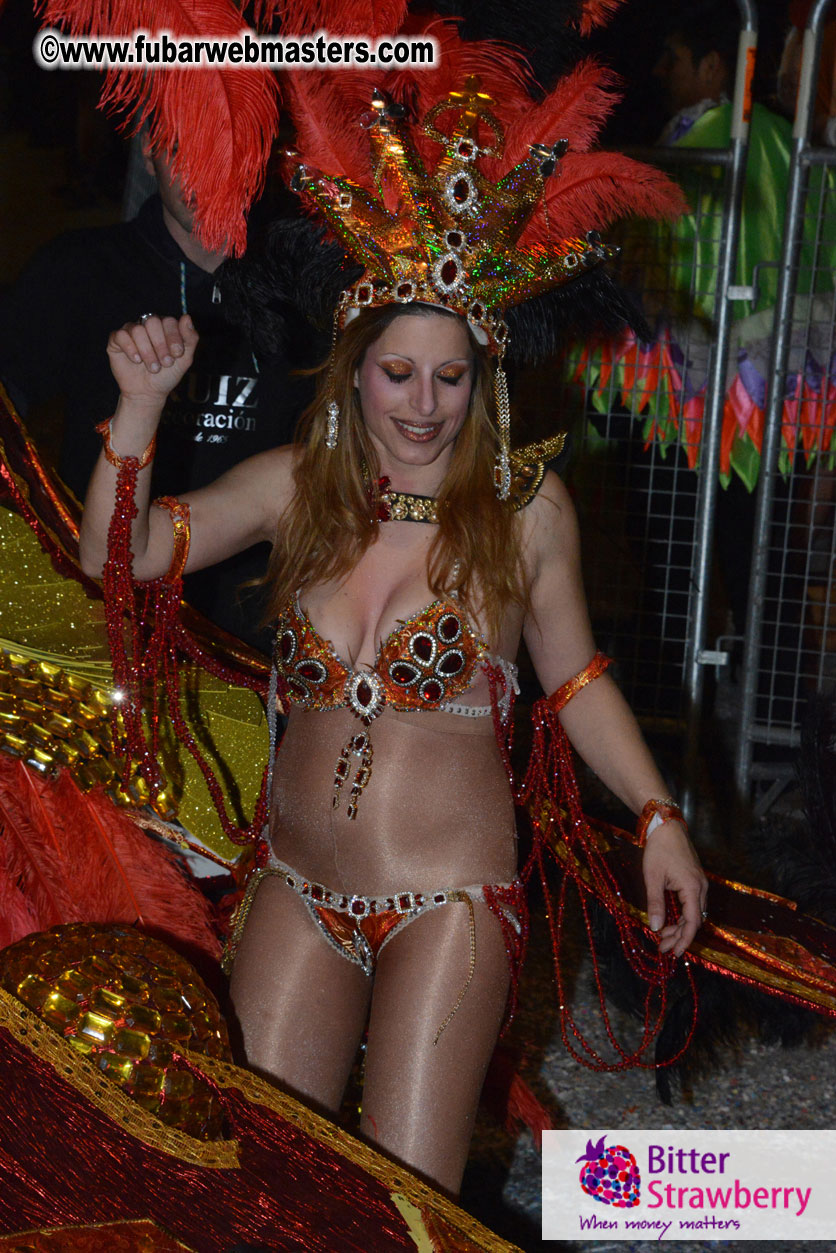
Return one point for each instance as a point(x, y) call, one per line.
point(610, 1175)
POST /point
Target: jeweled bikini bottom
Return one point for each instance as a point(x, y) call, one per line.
point(359, 927)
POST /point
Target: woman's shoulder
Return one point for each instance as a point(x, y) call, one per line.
point(550, 538)
point(549, 513)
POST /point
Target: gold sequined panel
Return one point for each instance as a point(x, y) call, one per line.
point(528, 467)
point(130, 1004)
point(57, 698)
point(52, 718)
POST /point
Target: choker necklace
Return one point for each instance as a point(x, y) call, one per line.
point(392, 506)
point(528, 466)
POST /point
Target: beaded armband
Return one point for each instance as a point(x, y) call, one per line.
point(559, 699)
point(654, 814)
point(113, 457)
point(180, 516)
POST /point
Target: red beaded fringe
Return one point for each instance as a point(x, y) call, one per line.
point(563, 836)
point(147, 643)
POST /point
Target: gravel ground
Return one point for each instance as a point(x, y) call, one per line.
point(751, 1085)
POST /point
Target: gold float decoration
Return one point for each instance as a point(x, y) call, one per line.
point(133, 1007)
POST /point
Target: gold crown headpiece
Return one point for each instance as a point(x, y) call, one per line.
point(449, 237)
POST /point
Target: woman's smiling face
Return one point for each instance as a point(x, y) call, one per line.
point(415, 383)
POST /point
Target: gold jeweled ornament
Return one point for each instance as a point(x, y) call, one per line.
point(131, 1005)
point(450, 236)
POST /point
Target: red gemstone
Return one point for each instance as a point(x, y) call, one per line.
point(364, 693)
point(358, 908)
point(465, 148)
point(455, 239)
point(403, 673)
point(404, 291)
point(461, 190)
point(449, 272)
point(287, 645)
point(449, 627)
point(432, 691)
point(451, 664)
point(422, 648)
point(341, 768)
point(311, 670)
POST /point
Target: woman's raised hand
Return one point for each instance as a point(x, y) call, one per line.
point(148, 358)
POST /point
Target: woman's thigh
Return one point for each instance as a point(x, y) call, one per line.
point(301, 1006)
point(421, 1089)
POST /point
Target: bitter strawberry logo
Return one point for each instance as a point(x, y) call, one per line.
point(610, 1175)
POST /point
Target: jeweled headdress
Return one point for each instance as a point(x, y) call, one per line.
point(449, 235)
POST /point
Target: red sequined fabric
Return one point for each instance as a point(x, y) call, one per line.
point(147, 642)
point(565, 839)
point(77, 1151)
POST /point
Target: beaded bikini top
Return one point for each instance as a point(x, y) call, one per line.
point(426, 662)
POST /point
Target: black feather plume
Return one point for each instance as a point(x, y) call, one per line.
point(546, 30)
point(594, 303)
point(285, 290)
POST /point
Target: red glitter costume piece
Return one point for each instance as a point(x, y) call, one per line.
point(145, 637)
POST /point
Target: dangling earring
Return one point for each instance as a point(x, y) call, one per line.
point(333, 429)
point(503, 421)
point(332, 409)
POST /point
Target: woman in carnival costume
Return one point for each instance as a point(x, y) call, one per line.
point(411, 551)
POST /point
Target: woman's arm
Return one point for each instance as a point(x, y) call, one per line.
point(148, 360)
point(598, 720)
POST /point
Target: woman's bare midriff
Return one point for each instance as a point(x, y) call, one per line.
point(436, 813)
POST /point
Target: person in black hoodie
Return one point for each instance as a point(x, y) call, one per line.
point(54, 326)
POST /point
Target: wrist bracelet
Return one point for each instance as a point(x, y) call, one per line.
point(113, 457)
point(180, 515)
point(654, 814)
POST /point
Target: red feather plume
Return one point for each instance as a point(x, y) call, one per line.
point(327, 107)
point(360, 17)
point(597, 13)
point(576, 110)
point(217, 122)
point(326, 113)
point(594, 189)
point(503, 71)
point(70, 856)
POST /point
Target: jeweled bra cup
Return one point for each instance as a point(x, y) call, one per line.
point(427, 661)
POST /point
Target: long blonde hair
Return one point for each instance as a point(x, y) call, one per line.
point(330, 520)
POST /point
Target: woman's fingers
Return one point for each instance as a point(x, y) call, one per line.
point(150, 357)
point(671, 865)
point(121, 341)
point(154, 343)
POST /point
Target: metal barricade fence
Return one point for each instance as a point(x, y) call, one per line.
point(791, 621)
point(648, 509)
